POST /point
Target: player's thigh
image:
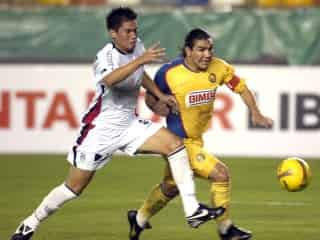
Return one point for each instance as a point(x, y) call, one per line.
point(202, 162)
point(162, 142)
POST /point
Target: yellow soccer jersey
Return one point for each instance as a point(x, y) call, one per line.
point(195, 93)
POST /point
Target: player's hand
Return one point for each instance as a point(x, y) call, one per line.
point(161, 109)
point(154, 54)
point(261, 120)
point(170, 101)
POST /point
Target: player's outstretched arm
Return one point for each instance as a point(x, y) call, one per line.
point(153, 54)
point(257, 118)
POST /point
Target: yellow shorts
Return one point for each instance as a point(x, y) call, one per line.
point(202, 162)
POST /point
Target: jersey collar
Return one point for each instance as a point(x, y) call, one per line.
point(120, 51)
point(187, 67)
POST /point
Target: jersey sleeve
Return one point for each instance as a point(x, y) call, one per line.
point(231, 80)
point(236, 84)
point(106, 61)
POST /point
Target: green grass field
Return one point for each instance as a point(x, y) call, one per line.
point(258, 203)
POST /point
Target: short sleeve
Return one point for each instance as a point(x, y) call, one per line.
point(228, 72)
point(236, 84)
point(230, 79)
point(106, 61)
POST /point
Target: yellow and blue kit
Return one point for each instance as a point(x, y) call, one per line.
point(195, 93)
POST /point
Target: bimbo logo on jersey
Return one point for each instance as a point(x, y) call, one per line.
point(200, 97)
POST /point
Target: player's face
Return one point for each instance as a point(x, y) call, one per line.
point(199, 57)
point(125, 37)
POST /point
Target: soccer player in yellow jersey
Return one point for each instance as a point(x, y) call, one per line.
point(194, 79)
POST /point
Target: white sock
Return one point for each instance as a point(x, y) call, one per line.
point(31, 221)
point(53, 201)
point(183, 176)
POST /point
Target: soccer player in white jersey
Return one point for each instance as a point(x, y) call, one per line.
point(111, 124)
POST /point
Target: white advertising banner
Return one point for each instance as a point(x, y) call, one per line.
point(40, 108)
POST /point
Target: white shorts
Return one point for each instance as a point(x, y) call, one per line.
point(96, 145)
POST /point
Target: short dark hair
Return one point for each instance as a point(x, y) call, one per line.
point(119, 15)
point(192, 36)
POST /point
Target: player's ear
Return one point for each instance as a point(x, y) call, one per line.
point(187, 51)
point(112, 33)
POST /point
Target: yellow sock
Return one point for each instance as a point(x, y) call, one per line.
point(220, 197)
point(155, 201)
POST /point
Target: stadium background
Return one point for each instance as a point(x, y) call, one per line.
point(46, 50)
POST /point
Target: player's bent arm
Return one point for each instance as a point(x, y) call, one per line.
point(152, 54)
point(150, 100)
point(123, 72)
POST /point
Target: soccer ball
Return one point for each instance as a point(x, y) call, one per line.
point(294, 174)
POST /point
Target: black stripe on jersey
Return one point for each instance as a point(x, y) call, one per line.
point(120, 51)
point(74, 150)
point(89, 117)
point(84, 132)
point(93, 108)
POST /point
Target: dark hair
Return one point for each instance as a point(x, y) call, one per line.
point(119, 15)
point(192, 36)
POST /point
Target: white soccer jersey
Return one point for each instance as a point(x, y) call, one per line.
point(111, 124)
point(115, 106)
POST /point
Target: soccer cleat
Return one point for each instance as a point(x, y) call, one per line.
point(204, 214)
point(23, 232)
point(235, 233)
point(135, 229)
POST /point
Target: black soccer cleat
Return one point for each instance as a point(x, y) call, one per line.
point(135, 229)
point(204, 214)
point(23, 232)
point(235, 233)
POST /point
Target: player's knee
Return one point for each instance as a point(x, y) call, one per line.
point(78, 179)
point(220, 173)
point(77, 189)
point(170, 190)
